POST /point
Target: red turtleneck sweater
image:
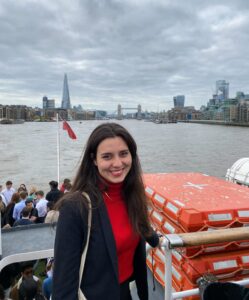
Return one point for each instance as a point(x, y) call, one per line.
point(125, 238)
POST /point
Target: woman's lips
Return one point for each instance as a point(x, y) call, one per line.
point(117, 173)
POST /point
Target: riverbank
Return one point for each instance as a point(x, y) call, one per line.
point(11, 121)
point(213, 122)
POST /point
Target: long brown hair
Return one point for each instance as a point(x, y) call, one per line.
point(87, 178)
point(15, 198)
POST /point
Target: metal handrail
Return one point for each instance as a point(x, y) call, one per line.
point(208, 237)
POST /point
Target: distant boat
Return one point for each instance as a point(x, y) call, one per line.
point(162, 121)
point(11, 121)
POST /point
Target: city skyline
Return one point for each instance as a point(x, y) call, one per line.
point(122, 52)
point(220, 93)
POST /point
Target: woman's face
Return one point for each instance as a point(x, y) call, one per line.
point(113, 159)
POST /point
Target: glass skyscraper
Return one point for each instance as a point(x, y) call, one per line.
point(222, 90)
point(65, 103)
point(179, 101)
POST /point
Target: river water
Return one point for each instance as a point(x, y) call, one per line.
point(29, 154)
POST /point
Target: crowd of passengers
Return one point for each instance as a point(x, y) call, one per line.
point(20, 207)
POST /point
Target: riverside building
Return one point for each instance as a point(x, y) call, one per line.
point(223, 108)
point(16, 112)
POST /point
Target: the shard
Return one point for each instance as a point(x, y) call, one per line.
point(65, 103)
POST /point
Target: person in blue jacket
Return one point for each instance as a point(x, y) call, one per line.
point(110, 174)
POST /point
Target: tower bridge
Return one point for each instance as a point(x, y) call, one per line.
point(120, 110)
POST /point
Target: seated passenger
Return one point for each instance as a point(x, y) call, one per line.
point(8, 219)
point(47, 283)
point(33, 211)
point(54, 194)
point(25, 218)
point(41, 206)
point(22, 188)
point(26, 274)
point(2, 209)
point(30, 290)
point(19, 206)
point(52, 215)
point(66, 181)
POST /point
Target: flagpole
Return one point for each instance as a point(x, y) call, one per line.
point(58, 148)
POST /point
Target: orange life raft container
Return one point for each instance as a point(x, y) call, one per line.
point(196, 201)
point(189, 202)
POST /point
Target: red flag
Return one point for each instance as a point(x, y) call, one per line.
point(70, 131)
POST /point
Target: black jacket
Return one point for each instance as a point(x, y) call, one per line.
point(54, 195)
point(100, 278)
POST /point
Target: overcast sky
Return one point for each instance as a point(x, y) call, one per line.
point(122, 51)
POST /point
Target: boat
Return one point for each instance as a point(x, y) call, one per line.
point(163, 121)
point(189, 204)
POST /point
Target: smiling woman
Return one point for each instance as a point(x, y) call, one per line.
point(113, 159)
point(110, 174)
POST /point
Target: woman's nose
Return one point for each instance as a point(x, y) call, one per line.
point(117, 161)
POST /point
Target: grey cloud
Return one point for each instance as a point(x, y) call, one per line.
point(122, 51)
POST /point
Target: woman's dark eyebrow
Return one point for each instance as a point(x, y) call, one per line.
point(106, 153)
point(123, 150)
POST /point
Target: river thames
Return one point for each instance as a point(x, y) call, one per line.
point(29, 152)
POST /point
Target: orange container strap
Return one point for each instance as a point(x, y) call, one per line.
point(231, 274)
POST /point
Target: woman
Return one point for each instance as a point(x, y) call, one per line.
point(2, 210)
point(32, 192)
point(8, 219)
point(22, 187)
point(110, 174)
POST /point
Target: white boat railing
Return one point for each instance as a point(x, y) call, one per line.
point(26, 249)
point(24, 243)
point(172, 241)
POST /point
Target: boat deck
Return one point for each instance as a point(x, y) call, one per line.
point(36, 242)
point(26, 243)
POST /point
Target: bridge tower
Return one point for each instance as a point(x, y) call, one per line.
point(139, 112)
point(119, 112)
